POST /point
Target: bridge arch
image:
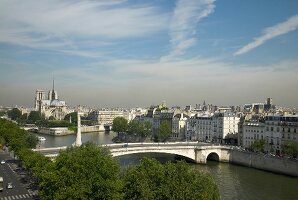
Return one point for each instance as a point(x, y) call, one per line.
point(188, 154)
point(213, 156)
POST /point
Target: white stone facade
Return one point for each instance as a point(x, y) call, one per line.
point(51, 107)
point(213, 127)
point(275, 130)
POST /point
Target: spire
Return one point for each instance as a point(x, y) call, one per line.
point(53, 83)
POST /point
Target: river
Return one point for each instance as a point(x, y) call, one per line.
point(234, 182)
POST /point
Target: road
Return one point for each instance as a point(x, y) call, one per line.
point(19, 190)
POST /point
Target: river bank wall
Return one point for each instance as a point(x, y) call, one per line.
point(265, 162)
point(61, 131)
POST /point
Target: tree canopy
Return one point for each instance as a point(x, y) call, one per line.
point(14, 114)
point(165, 131)
point(34, 116)
point(120, 124)
point(291, 149)
point(73, 116)
point(258, 145)
point(140, 128)
point(86, 172)
point(152, 180)
point(14, 137)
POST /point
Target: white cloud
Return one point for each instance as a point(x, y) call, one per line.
point(184, 22)
point(66, 25)
point(269, 33)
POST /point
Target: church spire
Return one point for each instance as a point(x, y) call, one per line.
point(53, 83)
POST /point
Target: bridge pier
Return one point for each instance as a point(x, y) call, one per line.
point(201, 154)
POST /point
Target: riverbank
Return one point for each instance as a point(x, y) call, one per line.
point(62, 131)
point(265, 162)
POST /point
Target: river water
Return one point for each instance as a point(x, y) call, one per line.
point(234, 182)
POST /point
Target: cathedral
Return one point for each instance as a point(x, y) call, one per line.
point(51, 107)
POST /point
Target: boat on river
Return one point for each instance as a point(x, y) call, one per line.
point(40, 138)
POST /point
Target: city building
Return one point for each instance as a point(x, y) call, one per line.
point(213, 127)
point(276, 130)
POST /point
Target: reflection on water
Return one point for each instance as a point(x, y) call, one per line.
point(234, 182)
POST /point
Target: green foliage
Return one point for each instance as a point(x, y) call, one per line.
point(139, 128)
point(291, 149)
point(15, 137)
point(165, 131)
point(152, 180)
point(54, 123)
point(51, 118)
point(88, 122)
point(31, 141)
point(14, 114)
point(33, 160)
point(34, 116)
point(258, 145)
point(86, 172)
point(73, 116)
point(120, 124)
point(2, 113)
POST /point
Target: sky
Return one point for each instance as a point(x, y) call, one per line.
point(129, 53)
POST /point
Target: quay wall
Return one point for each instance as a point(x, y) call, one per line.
point(96, 128)
point(265, 162)
point(60, 131)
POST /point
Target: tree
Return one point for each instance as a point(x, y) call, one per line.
point(165, 131)
point(258, 145)
point(147, 129)
point(86, 172)
point(73, 116)
point(291, 149)
point(31, 141)
point(120, 124)
point(14, 114)
point(34, 116)
point(134, 127)
point(152, 180)
point(51, 118)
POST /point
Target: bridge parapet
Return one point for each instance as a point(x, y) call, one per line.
point(198, 152)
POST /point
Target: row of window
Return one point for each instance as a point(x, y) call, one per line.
point(289, 130)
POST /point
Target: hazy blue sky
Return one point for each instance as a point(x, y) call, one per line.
point(137, 53)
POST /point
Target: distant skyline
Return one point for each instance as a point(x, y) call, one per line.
point(128, 53)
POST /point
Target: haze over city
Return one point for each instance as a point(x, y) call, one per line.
point(126, 53)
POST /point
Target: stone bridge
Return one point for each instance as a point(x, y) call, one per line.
point(196, 152)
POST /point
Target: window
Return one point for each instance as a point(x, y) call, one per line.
point(277, 129)
point(272, 129)
point(289, 130)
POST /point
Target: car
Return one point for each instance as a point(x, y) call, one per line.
point(125, 145)
point(2, 162)
point(9, 186)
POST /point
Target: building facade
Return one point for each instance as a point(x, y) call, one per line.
point(52, 106)
point(215, 127)
point(276, 130)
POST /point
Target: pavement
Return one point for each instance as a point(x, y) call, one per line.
point(9, 172)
